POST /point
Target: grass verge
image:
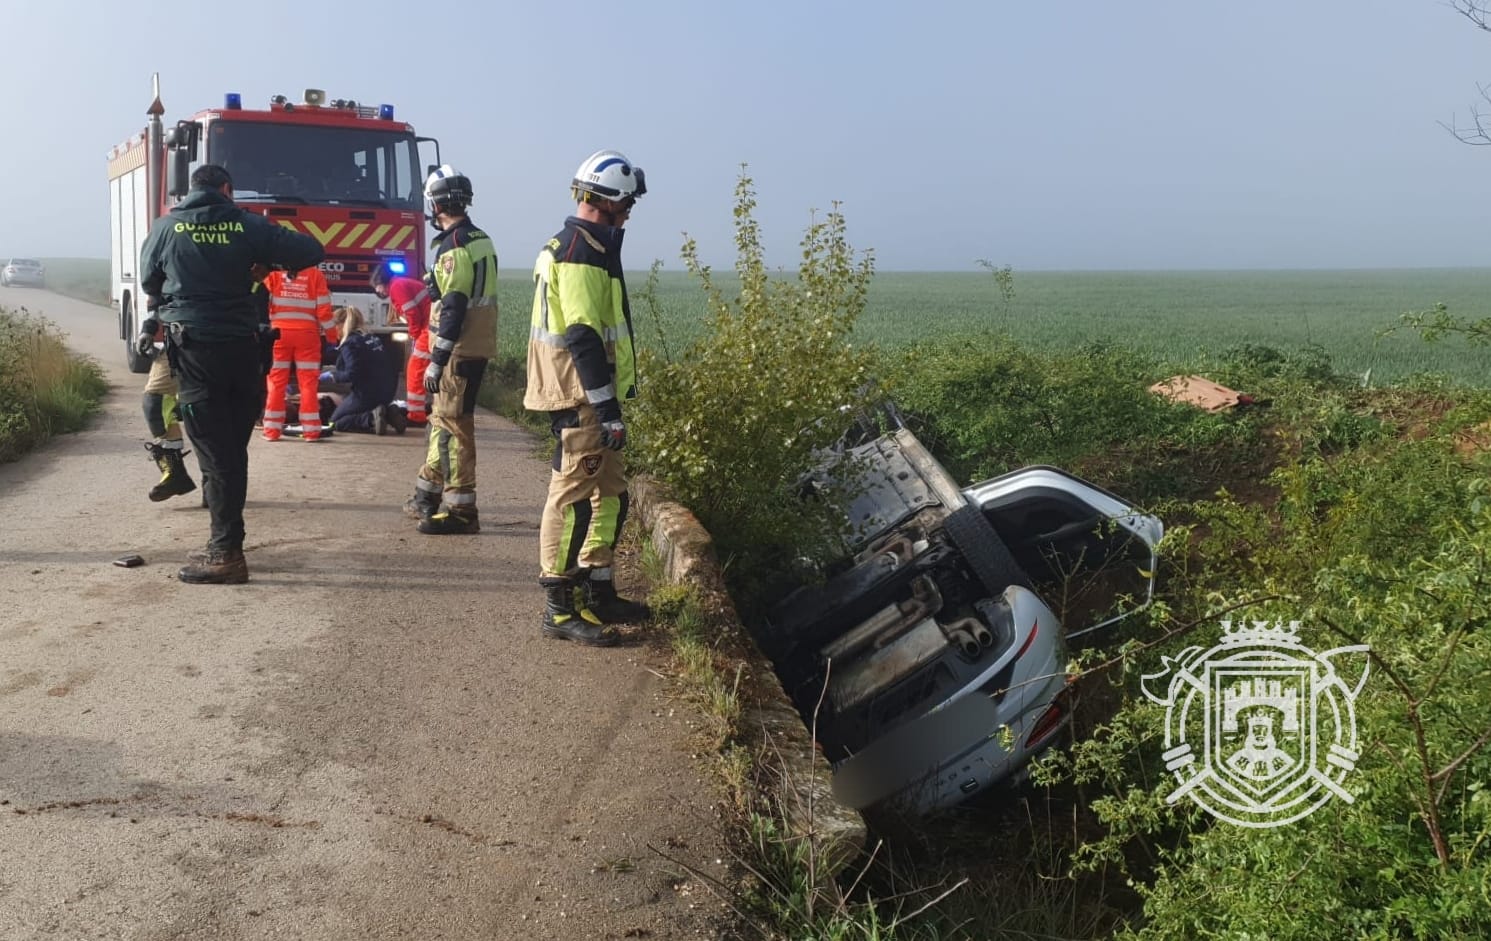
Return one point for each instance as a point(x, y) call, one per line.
point(45, 389)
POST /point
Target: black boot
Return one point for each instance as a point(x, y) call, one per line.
point(562, 619)
point(174, 479)
point(599, 601)
point(422, 505)
point(397, 420)
point(220, 567)
point(451, 522)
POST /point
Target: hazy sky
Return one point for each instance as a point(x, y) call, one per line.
point(1044, 135)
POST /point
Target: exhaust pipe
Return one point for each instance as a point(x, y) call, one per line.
point(963, 634)
point(889, 622)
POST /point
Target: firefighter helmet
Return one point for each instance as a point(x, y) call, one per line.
point(447, 188)
point(609, 175)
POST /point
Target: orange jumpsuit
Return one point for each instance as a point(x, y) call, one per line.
point(300, 308)
point(409, 301)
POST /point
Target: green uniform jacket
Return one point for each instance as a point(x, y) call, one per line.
point(197, 260)
point(464, 315)
point(580, 337)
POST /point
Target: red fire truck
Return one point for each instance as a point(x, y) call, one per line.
point(346, 173)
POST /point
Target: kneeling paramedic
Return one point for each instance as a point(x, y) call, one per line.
point(195, 271)
point(463, 320)
point(581, 364)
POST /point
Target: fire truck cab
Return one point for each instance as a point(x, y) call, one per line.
point(348, 174)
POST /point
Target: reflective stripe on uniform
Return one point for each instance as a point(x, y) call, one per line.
point(287, 318)
point(441, 343)
point(604, 394)
point(419, 354)
point(415, 301)
point(548, 339)
point(464, 498)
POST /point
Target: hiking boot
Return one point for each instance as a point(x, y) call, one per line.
point(396, 419)
point(563, 621)
point(451, 522)
point(220, 567)
point(174, 481)
point(600, 604)
point(380, 421)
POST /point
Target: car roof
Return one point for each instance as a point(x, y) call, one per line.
point(25, 261)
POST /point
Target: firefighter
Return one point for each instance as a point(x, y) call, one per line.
point(300, 309)
point(194, 270)
point(409, 301)
point(462, 281)
point(581, 364)
point(167, 450)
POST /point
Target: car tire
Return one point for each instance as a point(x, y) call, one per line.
point(988, 556)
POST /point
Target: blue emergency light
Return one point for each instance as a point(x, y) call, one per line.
point(233, 101)
point(397, 266)
point(385, 112)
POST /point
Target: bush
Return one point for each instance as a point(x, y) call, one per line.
point(732, 419)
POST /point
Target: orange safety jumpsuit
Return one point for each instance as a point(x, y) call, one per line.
point(300, 308)
point(409, 301)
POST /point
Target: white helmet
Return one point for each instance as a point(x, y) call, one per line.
point(609, 175)
point(447, 188)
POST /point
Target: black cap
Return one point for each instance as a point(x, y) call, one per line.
point(210, 176)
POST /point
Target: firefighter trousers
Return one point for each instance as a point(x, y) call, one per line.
point(222, 391)
point(419, 358)
point(298, 348)
point(588, 500)
point(160, 404)
point(450, 462)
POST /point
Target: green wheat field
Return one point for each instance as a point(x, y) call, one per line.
point(1178, 316)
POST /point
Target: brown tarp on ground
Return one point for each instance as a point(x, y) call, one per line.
point(1200, 392)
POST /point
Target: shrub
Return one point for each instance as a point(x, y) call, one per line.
point(732, 419)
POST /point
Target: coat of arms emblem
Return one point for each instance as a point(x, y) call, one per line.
point(1260, 730)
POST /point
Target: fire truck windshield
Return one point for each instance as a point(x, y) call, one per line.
point(327, 165)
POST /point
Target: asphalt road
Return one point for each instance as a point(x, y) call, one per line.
point(369, 740)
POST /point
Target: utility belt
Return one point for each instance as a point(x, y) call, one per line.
point(179, 335)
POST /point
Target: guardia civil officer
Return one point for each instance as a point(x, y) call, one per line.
point(581, 365)
point(195, 272)
point(463, 324)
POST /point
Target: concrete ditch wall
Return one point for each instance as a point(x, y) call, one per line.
point(687, 554)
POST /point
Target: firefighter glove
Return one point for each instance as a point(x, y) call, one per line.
point(145, 342)
point(432, 377)
point(613, 430)
point(613, 434)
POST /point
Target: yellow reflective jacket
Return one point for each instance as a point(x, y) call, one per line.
point(463, 286)
point(580, 337)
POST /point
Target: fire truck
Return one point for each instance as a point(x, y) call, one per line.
point(346, 173)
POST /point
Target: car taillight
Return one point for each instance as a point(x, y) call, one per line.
point(1049, 721)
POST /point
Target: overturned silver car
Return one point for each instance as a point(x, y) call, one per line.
point(929, 661)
